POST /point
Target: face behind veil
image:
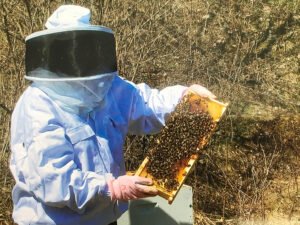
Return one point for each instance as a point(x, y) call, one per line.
point(77, 96)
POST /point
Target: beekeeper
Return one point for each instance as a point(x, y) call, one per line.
point(68, 127)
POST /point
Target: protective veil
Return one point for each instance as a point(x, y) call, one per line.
point(72, 61)
point(78, 96)
point(68, 130)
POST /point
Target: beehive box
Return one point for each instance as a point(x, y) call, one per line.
point(175, 151)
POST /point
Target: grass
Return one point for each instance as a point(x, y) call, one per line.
point(246, 52)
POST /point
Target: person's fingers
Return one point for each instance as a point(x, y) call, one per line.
point(207, 93)
point(133, 187)
point(129, 195)
point(135, 192)
point(203, 92)
point(143, 180)
point(200, 90)
point(144, 195)
point(148, 190)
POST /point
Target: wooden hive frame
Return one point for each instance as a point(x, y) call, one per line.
point(215, 109)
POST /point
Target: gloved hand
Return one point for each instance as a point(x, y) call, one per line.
point(130, 187)
point(200, 90)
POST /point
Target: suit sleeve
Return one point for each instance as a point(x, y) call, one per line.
point(151, 107)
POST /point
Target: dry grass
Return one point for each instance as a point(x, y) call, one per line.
point(246, 52)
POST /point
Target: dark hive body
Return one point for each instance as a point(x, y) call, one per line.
point(179, 140)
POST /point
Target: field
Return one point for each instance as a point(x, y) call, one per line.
point(246, 52)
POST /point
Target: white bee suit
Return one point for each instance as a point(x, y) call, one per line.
point(68, 135)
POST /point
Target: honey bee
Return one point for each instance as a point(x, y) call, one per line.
point(180, 139)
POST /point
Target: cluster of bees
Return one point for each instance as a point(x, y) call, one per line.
point(181, 138)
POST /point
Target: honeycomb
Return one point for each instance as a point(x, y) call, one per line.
point(175, 150)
